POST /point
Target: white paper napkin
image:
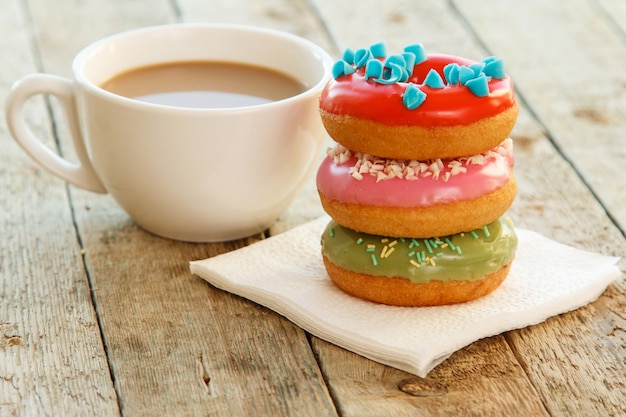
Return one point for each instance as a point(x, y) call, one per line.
point(285, 273)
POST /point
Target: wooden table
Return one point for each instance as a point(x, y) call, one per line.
point(99, 318)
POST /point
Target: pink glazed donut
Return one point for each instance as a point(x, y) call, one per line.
point(410, 198)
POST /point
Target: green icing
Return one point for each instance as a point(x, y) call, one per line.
point(466, 256)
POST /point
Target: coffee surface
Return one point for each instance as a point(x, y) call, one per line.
point(204, 84)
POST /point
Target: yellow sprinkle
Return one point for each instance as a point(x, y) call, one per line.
point(462, 234)
point(414, 263)
point(383, 253)
point(385, 240)
point(392, 244)
point(371, 246)
point(445, 245)
point(432, 262)
point(389, 252)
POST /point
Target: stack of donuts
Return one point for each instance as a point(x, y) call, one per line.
point(420, 177)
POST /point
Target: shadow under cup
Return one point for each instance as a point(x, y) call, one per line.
point(210, 174)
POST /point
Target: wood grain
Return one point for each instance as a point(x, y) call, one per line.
point(178, 345)
point(573, 79)
point(52, 359)
point(482, 379)
point(74, 265)
point(584, 115)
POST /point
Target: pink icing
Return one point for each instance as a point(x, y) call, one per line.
point(335, 181)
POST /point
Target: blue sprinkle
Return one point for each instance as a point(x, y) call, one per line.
point(449, 242)
point(465, 74)
point(397, 60)
point(348, 56)
point(474, 234)
point(342, 68)
point(361, 56)
point(495, 68)
point(374, 260)
point(395, 74)
point(373, 68)
point(417, 50)
point(451, 72)
point(479, 86)
point(411, 254)
point(486, 231)
point(477, 68)
point(433, 79)
point(413, 97)
point(378, 50)
point(458, 250)
point(409, 58)
point(403, 74)
point(398, 68)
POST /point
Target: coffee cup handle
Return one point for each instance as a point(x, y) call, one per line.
point(81, 173)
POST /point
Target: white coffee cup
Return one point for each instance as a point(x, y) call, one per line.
point(202, 175)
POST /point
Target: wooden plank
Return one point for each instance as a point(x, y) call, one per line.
point(295, 17)
point(614, 12)
point(66, 32)
point(575, 84)
point(479, 380)
point(545, 203)
point(52, 360)
point(177, 345)
point(587, 105)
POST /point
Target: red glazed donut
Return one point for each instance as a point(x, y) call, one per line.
point(465, 107)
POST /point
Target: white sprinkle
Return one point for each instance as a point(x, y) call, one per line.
point(344, 157)
point(434, 168)
point(458, 169)
point(384, 169)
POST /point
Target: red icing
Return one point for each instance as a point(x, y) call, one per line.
point(449, 106)
point(335, 182)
